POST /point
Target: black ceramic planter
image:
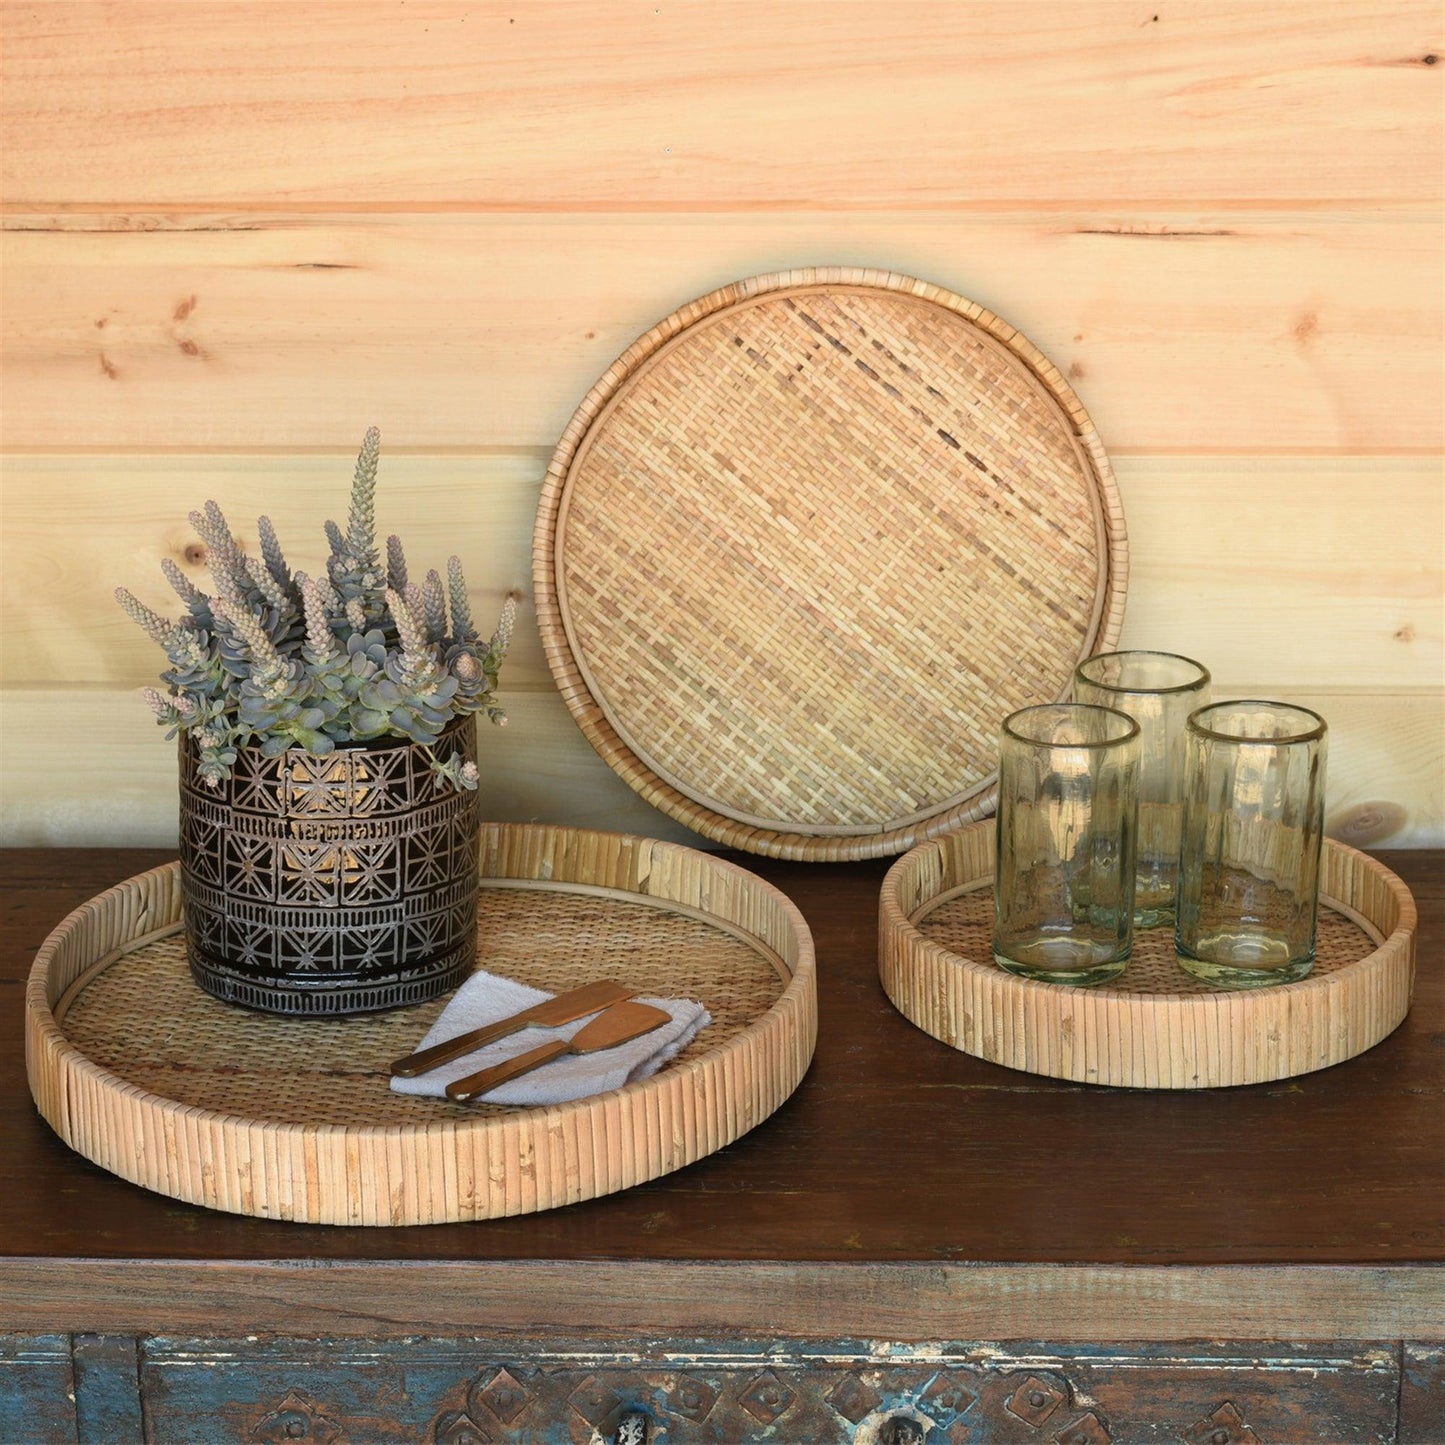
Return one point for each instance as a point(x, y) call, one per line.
point(331, 885)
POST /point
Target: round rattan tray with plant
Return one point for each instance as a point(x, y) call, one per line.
point(804, 543)
point(293, 1118)
point(1155, 1027)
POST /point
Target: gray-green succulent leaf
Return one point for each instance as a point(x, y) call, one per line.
point(277, 659)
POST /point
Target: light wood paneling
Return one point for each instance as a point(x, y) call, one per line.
point(1268, 569)
point(91, 767)
point(1205, 331)
point(238, 233)
point(565, 103)
point(1289, 572)
point(1386, 779)
point(60, 618)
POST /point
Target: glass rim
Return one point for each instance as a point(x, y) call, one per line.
point(1131, 726)
point(1203, 679)
point(1310, 735)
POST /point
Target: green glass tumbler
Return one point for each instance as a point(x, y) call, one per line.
point(1249, 863)
point(1158, 690)
point(1064, 881)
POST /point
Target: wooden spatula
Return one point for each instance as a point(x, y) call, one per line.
point(551, 1013)
point(617, 1025)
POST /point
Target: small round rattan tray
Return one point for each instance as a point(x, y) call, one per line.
point(804, 544)
point(1156, 1027)
point(138, 1070)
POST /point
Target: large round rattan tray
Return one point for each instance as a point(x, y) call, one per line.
point(1156, 1027)
point(293, 1119)
point(803, 545)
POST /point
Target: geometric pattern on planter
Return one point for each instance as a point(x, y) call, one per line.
point(336, 884)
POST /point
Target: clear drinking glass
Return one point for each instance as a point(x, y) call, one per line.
point(1064, 884)
point(1249, 865)
point(1158, 690)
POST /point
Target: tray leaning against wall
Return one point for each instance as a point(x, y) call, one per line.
point(806, 542)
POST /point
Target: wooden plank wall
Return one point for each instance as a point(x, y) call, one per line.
point(237, 233)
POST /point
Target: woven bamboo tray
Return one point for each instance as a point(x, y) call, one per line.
point(1155, 1027)
point(804, 544)
point(138, 1070)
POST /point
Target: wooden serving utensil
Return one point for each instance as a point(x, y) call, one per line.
point(618, 1025)
point(550, 1013)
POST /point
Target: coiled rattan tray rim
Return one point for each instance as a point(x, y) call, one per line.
point(1172, 1039)
point(331, 1173)
point(800, 844)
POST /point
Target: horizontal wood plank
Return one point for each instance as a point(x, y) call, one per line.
point(1274, 571)
point(1202, 332)
point(59, 607)
point(566, 104)
point(1061, 1302)
point(86, 767)
point(92, 766)
point(1289, 572)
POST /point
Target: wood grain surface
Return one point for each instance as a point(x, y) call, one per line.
point(235, 234)
point(1222, 568)
point(1243, 532)
point(93, 764)
point(1188, 332)
point(903, 1181)
point(535, 104)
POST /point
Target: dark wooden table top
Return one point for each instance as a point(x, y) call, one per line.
point(901, 1177)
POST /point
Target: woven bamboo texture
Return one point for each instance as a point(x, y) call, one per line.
point(804, 544)
point(1155, 1027)
point(293, 1119)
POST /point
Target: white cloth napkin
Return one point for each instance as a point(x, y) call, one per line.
point(487, 997)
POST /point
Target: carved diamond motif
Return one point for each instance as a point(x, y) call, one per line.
point(1224, 1425)
point(593, 1401)
point(852, 1398)
point(1087, 1430)
point(946, 1398)
point(691, 1397)
point(1034, 1401)
point(456, 1427)
point(296, 1416)
point(505, 1396)
point(766, 1398)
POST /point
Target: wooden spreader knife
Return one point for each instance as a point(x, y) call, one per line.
point(620, 1024)
point(574, 1004)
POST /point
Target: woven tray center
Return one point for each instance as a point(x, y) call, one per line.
point(817, 546)
point(196, 1051)
point(964, 925)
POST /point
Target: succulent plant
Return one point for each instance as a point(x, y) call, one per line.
point(278, 659)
